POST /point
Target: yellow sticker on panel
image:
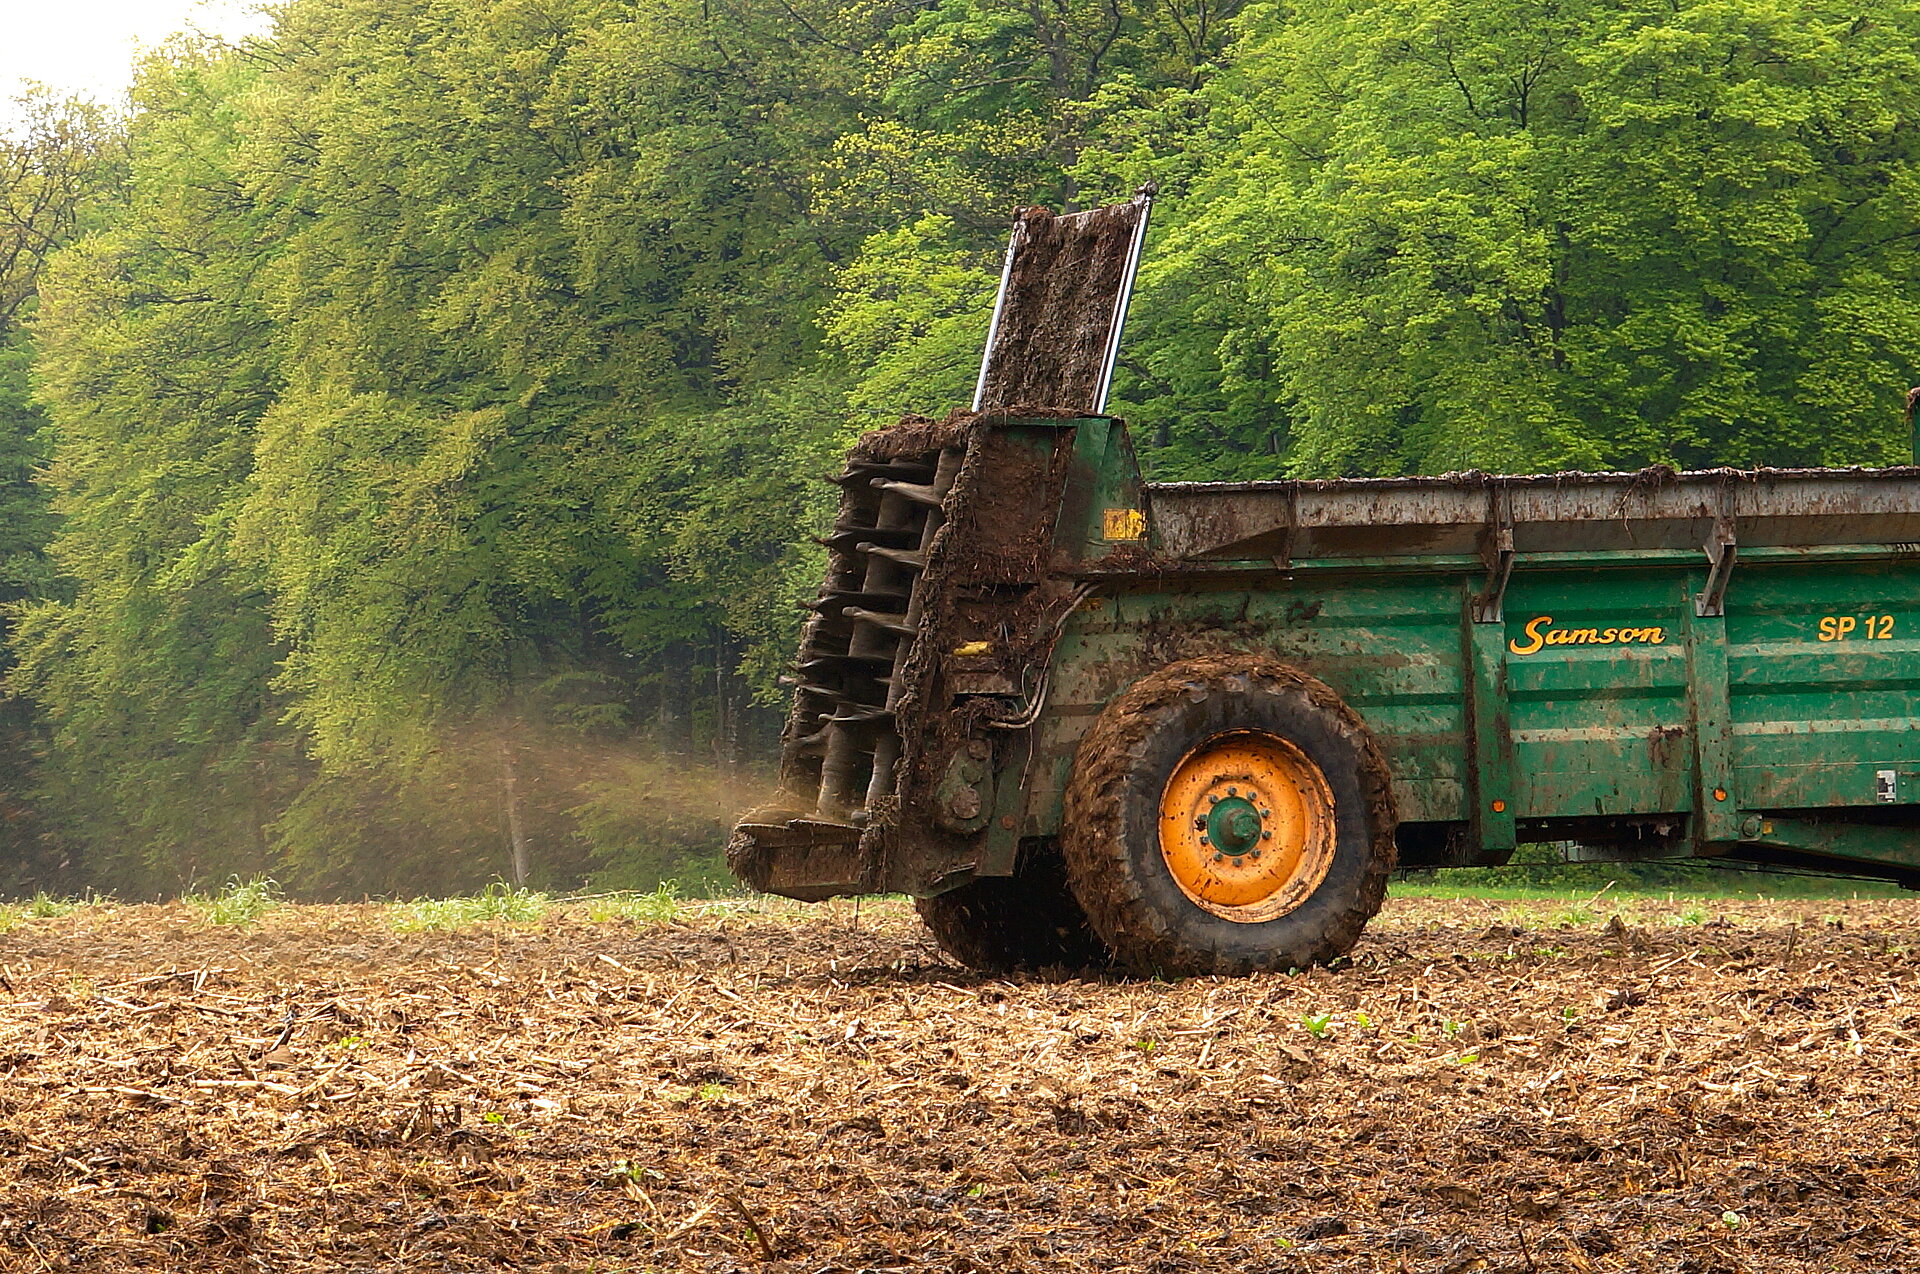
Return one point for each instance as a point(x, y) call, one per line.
point(1125, 524)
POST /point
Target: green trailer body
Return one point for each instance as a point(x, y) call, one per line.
point(1638, 665)
point(1194, 726)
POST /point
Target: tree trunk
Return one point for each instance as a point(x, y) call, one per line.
point(726, 709)
point(516, 829)
point(675, 725)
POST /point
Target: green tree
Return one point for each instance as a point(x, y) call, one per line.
point(432, 413)
point(1533, 234)
point(58, 161)
point(538, 272)
point(435, 424)
point(154, 360)
point(981, 107)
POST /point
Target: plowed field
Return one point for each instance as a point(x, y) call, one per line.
point(1691, 1087)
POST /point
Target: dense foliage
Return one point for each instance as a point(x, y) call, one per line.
point(427, 399)
point(1535, 235)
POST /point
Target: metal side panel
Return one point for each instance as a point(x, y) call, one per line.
point(1391, 647)
point(1824, 671)
point(1597, 688)
point(1570, 512)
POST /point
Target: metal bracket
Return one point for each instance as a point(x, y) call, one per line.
point(1144, 199)
point(1497, 551)
point(999, 308)
point(1283, 560)
point(1721, 550)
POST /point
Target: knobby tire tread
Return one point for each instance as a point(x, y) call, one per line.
point(1030, 920)
point(1102, 874)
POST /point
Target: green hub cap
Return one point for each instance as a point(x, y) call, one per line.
point(1233, 826)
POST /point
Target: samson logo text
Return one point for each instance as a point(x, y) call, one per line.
point(1540, 632)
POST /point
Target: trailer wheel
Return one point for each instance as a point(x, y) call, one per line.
point(1228, 815)
point(1029, 920)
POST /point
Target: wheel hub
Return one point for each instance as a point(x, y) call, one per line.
point(1247, 826)
point(1234, 827)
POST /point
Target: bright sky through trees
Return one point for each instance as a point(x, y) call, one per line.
point(88, 46)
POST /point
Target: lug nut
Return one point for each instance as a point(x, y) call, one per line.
point(1233, 791)
point(1219, 858)
point(1213, 798)
point(1266, 835)
point(1200, 821)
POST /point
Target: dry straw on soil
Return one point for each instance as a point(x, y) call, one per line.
point(812, 1092)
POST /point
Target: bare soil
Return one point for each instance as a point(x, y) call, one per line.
point(1483, 1087)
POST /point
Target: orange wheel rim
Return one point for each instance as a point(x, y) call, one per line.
point(1246, 826)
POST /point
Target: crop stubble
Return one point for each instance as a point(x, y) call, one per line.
point(818, 1091)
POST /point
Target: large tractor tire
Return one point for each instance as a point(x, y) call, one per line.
point(1026, 921)
point(1228, 815)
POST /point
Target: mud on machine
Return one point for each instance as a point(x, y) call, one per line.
point(1192, 727)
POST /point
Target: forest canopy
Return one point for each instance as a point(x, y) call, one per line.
point(410, 422)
